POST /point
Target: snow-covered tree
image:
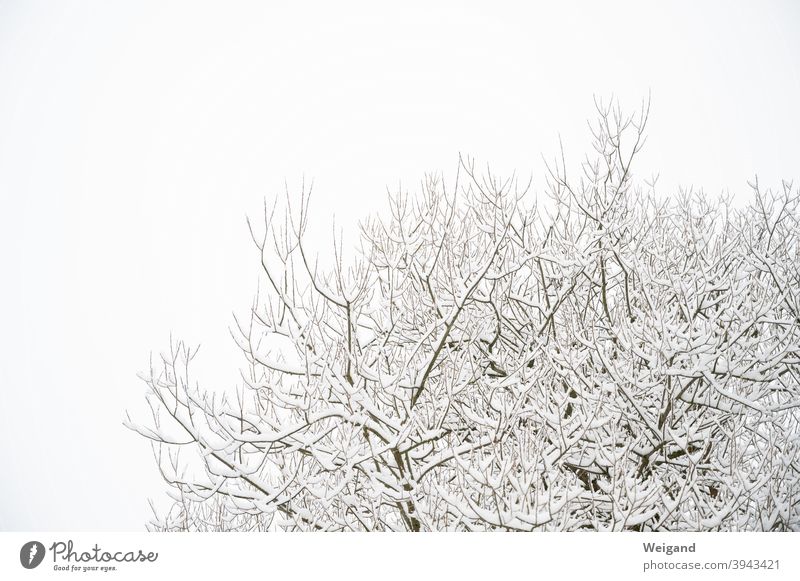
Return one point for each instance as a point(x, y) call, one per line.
point(604, 360)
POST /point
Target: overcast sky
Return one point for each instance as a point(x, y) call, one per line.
point(135, 138)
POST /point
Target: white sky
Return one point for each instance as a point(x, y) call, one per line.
point(135, 138)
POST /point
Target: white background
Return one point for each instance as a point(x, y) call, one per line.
point(403, 556)
point(135, 138)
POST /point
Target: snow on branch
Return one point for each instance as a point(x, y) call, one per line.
point(602, 360)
